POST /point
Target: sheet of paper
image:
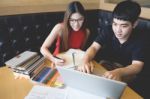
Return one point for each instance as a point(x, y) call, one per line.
point(77, 51)
point(68, 57)
point(43, 92)
point(72, 93)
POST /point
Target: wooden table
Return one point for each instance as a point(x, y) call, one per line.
point(11, 88)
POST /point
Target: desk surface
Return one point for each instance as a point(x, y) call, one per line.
point(18, 88)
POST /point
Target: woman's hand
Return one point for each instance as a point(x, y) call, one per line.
point(58, 61)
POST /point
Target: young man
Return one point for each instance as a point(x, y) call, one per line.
point(121, 43)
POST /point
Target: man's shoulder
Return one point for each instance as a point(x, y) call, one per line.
point(140, 33)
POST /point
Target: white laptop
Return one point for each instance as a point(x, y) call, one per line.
point(92, 84)
point(20, 59)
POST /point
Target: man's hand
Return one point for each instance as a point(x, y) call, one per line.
point(114, 74)
point(87, 67)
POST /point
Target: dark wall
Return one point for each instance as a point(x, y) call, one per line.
point(24, 32)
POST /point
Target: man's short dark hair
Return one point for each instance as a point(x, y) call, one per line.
point(127, 10)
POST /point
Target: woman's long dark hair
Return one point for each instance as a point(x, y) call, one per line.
point(73, 7)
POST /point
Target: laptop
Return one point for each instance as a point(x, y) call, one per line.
point(20, 59)
point(92, 84)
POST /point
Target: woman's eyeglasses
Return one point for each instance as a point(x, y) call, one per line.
point(76, 20)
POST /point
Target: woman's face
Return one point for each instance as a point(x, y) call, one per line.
point(76, 21)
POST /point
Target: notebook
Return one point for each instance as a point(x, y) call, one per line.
point(92, 84)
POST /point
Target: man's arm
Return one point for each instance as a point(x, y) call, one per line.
point(133, 69)
point(126, 72)
point(89, 55)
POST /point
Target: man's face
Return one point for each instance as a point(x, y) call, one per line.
point(122, 29)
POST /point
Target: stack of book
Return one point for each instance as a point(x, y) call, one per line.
point(46, 76)
point(31, 65)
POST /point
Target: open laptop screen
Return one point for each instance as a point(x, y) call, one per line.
point(92, 84)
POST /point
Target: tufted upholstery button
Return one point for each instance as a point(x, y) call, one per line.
point(47, 25)
point(99, 29)
point(99, 20)
point(11, 29)
point(38, 37)
point(25, 27)
point(4, 54)
point(14, 41)
point(106, 22)
point(27, 39)
point(37, 26)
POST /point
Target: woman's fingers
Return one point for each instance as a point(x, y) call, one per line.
point(59, 61)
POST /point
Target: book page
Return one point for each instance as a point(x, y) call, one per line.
point(68, 57)
point(77, 94)
point(44, 92)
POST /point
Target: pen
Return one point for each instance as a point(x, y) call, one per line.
point(58, 57)
point(73, 57)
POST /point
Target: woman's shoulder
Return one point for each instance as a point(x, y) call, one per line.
point(59, 26)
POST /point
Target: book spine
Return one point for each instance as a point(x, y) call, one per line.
point(33, 54)
point(36, 71)
point(53, 79)
point(46, 75)
point(39, 77)
point(50, 76)
point(28, 63)
point(35, 65)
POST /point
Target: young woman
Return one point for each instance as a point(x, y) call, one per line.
point(71, 33)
